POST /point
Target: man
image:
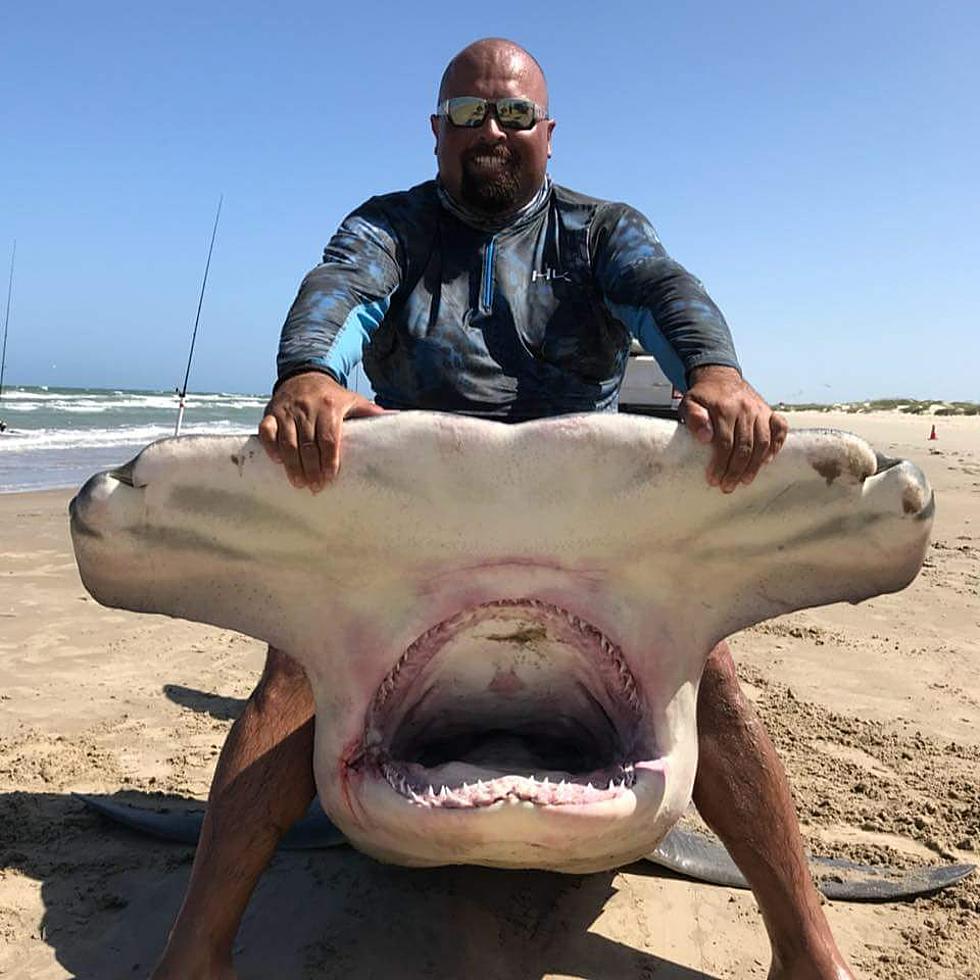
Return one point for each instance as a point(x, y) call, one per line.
point(495, 293)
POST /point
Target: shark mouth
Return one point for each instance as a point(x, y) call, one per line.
point(512, 701)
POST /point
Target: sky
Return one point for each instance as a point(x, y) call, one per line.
point(815, 165)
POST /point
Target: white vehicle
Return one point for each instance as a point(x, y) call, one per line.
point(646, 389)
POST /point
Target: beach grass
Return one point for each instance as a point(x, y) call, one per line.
point(908, 406)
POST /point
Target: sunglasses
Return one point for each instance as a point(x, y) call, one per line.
point(469, 112)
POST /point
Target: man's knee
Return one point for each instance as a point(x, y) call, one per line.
point(720, 696)
point(283, 686)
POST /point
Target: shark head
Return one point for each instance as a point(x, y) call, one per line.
point(504, 626)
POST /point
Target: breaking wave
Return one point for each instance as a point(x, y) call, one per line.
point(16, 440)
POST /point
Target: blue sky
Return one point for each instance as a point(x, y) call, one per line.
point(814, 164)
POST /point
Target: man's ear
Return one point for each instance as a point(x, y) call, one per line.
point(434, 123)
point(551, 129)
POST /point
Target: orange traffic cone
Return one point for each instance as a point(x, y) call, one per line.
point(932, 435)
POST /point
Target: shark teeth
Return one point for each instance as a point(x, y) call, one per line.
point(444, 785)
point(515, 788)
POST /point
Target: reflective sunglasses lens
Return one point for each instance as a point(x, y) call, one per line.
point(515, 113)
point(466, 111)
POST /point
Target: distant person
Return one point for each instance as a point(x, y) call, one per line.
point(495, 293)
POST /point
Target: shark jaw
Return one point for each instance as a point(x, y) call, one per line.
point(511, 702)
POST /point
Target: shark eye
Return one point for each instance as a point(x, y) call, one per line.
point(124, 473)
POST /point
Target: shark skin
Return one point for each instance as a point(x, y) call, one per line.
point(504, 626)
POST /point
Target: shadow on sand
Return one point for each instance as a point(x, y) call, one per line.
point(110, 896)
point(218, 706)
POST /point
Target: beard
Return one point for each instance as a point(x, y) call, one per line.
point(494, 192)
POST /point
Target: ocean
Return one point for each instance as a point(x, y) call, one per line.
point(59, 437)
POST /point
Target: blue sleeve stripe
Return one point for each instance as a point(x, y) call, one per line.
point(352, 337)
point(641, 324)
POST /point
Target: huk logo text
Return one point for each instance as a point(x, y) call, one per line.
point(549, 275)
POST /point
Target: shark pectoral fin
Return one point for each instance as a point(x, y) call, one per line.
point(703, 858)
point(183, 826)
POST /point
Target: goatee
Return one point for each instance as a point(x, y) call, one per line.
point(495, 193)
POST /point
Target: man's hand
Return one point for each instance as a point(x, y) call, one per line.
point(301, 427)
point(726, 411)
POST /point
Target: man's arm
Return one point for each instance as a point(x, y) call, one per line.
point(671, 314)
point(340, 305)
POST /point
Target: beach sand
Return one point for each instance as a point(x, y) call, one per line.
point(875, 709)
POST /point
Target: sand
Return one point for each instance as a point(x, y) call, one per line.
point(875, 709)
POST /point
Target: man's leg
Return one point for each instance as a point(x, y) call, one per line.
point(262, 785)
point(742, 793)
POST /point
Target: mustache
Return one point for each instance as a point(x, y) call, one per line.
point(502, 153)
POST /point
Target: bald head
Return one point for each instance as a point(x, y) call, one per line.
point(494, 56)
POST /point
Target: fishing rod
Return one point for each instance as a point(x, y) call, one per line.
point(6, 323)
point(182, 391)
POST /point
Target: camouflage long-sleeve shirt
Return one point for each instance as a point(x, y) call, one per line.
point(529, 320)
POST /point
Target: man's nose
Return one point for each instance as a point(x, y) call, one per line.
point(491, 125)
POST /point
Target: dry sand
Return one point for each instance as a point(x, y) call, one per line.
point(875, 708)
